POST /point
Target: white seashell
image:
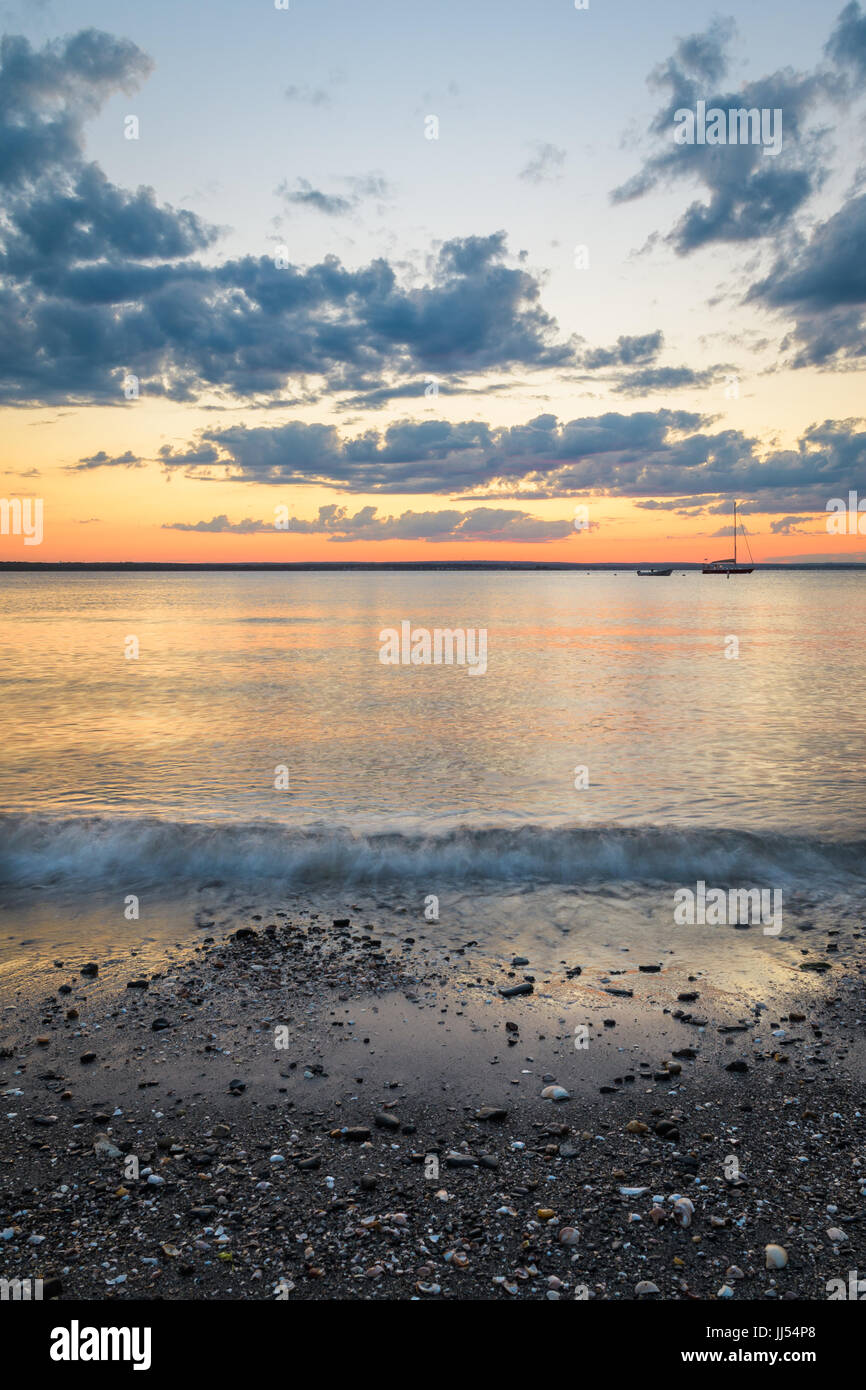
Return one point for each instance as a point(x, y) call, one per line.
point(569, 1235)
point(725, 1292)
point(646, 1286)
point(632, 1191)
point(775, 1257)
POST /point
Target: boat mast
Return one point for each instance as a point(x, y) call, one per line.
point(735, 530)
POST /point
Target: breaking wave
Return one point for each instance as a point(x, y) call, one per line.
point(94, 850)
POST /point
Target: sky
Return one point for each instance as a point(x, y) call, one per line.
point(407, 281)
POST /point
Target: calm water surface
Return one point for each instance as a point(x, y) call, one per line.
point(406, 780)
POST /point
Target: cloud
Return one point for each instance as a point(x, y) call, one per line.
point(188, 458)
point(222, 525)
point(748, 195)
point(823, 287)
point(786, 526)
point(97, 281)
point(648, 379)
point(304, 195)
point(825, 557)
point(627, 351)
point(847, 44)
point(308, 96)
point(647, 454)
point(46, 96)
point(361, 188)
point(103, 460)
point(545, 166)
point(481, 524)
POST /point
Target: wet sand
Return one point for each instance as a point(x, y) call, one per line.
point(323, 1109)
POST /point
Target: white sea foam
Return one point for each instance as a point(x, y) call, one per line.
point(94, 850)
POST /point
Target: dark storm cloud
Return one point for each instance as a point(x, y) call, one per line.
point(749, 194)
point(98, 282)
point(651, 454)
point(490, 524)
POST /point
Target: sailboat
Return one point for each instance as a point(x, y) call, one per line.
point(730, 566)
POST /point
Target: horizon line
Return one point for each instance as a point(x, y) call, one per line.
point(428, 565)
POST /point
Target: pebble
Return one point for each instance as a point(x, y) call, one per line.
point(385, 1120)
point(555, 1093)
point(683, 1211)
point(775, 1257)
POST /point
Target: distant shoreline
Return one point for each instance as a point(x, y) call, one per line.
point(626, 566)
